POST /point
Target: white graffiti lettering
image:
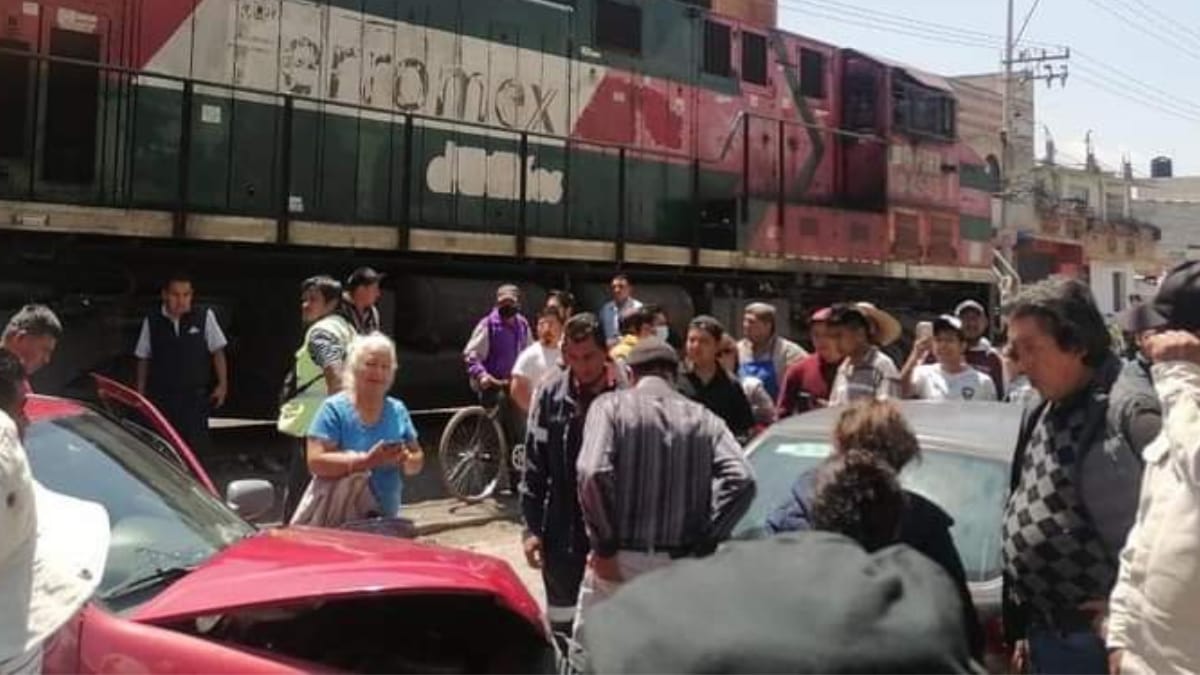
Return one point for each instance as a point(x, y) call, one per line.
point(474, 172)
point(412, 85)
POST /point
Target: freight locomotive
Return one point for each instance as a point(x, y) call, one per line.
point(458, 143)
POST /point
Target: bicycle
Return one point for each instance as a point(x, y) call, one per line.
point(474, 446)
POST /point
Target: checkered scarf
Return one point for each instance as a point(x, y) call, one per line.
point(1052, 551)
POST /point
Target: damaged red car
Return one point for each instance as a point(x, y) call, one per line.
point(190, 586)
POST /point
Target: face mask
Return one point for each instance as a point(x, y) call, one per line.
point(662, 332)
point(508, 311)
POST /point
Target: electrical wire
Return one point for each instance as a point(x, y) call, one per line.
point(1155, 98)
point(1133, 81)
point(892, 28)
point(1028, 17)
point(1188, 109)
point(1137, 25)
point(1172, 24)
point(1099, 84)
point(929, 26)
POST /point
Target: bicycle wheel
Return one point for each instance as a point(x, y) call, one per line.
point(471, 450)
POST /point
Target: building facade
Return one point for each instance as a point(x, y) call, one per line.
point(1087, 230)
point(1173, 204)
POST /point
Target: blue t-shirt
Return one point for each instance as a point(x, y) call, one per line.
point(338, 422)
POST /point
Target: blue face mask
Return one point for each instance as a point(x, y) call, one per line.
point(662, 332)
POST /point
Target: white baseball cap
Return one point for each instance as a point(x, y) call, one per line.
point(52, 551)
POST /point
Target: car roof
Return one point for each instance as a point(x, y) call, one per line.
point(983, 427)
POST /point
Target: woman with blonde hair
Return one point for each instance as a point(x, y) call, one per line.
point(361, 444)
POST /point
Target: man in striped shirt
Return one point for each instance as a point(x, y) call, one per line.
point(660, 477)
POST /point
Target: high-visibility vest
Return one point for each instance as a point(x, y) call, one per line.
point(297, 413)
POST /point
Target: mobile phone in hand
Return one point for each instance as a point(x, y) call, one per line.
point(924, 330)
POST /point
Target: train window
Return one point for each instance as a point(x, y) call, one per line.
point(718, 49)
point(14, 100)
point(812, 73)
point(918, 109)
point(859, 105)
point(72, 103)
point(619, 26)
point(754, 58)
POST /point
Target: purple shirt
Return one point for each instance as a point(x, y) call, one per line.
point(495, 345)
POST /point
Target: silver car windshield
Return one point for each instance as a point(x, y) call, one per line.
point(971, 489)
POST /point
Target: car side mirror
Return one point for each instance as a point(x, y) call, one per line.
point(251, 499)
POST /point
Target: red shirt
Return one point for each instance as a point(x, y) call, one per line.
point(811, 376)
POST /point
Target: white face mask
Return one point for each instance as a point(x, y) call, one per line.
point(662, 332)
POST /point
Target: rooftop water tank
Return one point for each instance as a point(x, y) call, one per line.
point(1161, 167)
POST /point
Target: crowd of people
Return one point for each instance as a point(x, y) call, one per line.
point(634, 460)
point(627, 472)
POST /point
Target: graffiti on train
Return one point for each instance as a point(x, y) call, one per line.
point(316, 51)
point(476, 172)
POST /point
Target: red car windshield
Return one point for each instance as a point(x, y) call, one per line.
point(163, 522)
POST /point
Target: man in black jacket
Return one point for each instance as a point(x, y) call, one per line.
point(179, 350)
point(707, 383)
point(555, 540)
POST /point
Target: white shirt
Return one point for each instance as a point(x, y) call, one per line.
point(212, 334)
point(931, 382)
point(1154, 610)
point(537, 361)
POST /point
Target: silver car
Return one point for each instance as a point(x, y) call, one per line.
point(966, 452)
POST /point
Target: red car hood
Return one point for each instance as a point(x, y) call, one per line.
point(297, 564)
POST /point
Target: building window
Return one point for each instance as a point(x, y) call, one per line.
point(718, 49)
point(995, 174)
point(1118, 290)
point(812, 73)
point(754, 58)
point(619, 26)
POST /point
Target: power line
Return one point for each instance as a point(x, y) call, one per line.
point(1183, 107)
point(890, 28)
point(1137, 25)
point(1122, 95)
point(956, 31)
point(1156, 99)
point(1171, 23)
point(1028, 17)
point(1131, 80)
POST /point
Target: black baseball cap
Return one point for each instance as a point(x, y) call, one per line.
point(363, 276)
point(1175, 306)
point(813, 602)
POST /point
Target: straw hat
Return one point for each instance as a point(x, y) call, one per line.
point(52, 552)
point(886, 329)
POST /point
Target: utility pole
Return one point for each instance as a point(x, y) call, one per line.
point(1006, 132)
point(1035, 66)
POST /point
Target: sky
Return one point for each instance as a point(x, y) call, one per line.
point(1134, 72)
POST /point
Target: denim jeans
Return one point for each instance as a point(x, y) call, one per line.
point(1081, 652)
